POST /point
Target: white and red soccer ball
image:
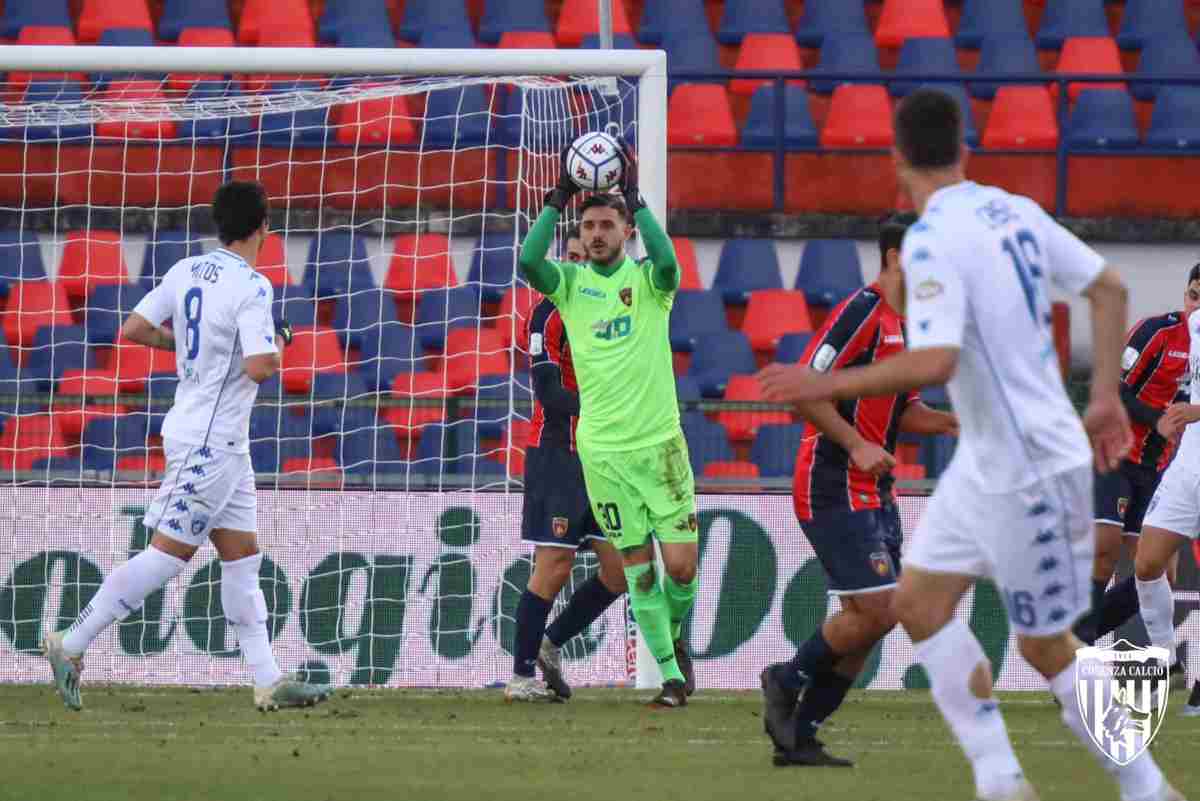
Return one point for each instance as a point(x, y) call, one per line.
point(594, 161)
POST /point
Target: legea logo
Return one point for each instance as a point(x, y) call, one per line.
point(1122, 694)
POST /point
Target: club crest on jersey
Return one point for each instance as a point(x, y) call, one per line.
point(927, 289)
point(1122, 695)
point(627, 296)
point(1122, 505)
point(559, 526)
point(880, 563)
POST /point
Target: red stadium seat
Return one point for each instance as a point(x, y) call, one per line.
point(314, 349)
point(908, 472)
point(98, 16)
point(526, 40)
point(1022, 118)
point(731, 470)
point(515, 438)
point(152, 463)
point(28, 438)
point(772, 313)
point(419, 262)
point(317, 469)
point(272, 262)
point(765, 51)
point(91, 259)
point(518, 303)
point(72, 419)
point(133, 363)
point(1090, 54)
point(31, 305)
point(904, 19)
point(92, 382)
point(199, 37)
point(580, 19)
point(39, 35)
point(685, 254)
point(470, 353)
point(699, 114)
point(261, 16)
point(408, 420)
point(381, 121)
point(134, 91)
point(860, 116)
point(743, 426)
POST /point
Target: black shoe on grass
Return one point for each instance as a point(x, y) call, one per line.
point(809, 752)
point(672, 695)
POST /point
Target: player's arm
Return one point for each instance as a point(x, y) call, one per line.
point(545, 275)
point(921, 419)
point(663, 266)
point(545, 353)
point(144, 323)
point(1143, 352)
point(257, 334)
point(866, 455)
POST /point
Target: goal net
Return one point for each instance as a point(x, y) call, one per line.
point(389, 450)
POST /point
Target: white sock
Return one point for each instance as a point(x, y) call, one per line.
point(121, 594)
point(1158, 612)
point(1141, 779)
point(950, 657)
point(246, 610)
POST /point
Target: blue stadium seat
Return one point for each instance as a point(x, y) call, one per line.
point(107, 308)
point(546, 124)
point(1175, 122)
point(303, 128)
point(1172, 54)
point(493, 264)
point(337, 263)
point(716, 357)
point(1103, 118)
point(426, 15)
point(215, 128)
point(107, 439)
point(58, 468)
point(57, 349)
point(696, 312)
point(354, 35)
point(926, 55)
point(1005, 54)
point(1064, 19)
point(457, 117)
point(936, 453)
point(368, 452)
point(51, 90)
point(161, 387)
point(955, 90)
point(1146, 21)
point(123, 37)
point(825, 17)
point(19, 13)
point(844, 53)
point(511, 15)
point(6, 360)
point(791, 347)
point(455, 38)
point(341, 16)
point(18, 387)
point(442, 309)
point(774, 449)
point(276, 435)
point(330, 391)
point(799, 130)
point(447, 448)
point(690, 52)
point(387, 351)
point(935, 396)
point(621, 41)
point(707, 442)
point(830, 271)
point(359, 312)
point(662, 19)
point(162, 251)
point(296, 306)
point(503, 397)
point(746, 265)
point(180, 14)
point(686, 389)
point(741, 17)
point(620, 110)
point(982, 19)
point(20, 256)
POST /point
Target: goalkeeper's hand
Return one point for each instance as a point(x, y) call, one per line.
point(565, 189)
point(629, 179)
point(283, 329)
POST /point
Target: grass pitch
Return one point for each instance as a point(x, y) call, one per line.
point(165, 744)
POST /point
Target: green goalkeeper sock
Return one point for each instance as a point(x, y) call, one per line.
point(680, 599)
point(652, 612)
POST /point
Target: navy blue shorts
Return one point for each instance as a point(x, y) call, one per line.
point(1123, 495)
point(860, 551)
point(556, 511)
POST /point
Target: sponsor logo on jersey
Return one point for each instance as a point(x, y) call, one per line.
point(593, 293)
point(1177, 354)
point(929, 288)
point(824, 357)
point(1122, 695)
point(893, 339)
point(627, 296)
point(880, 563)
point(559, 526)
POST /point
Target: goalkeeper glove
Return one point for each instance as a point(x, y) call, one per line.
point(629, 180)
point(284, 330)
point(561, 194)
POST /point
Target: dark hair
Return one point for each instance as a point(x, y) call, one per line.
point(1194, 275)
point(929, 129)
point(572, 233)
point(239, 208)
point(891, 233)
point(605, 201)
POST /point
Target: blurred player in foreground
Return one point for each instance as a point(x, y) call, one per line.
point(224, 339)
point(635, 459)
point(556, 517)
point(843, 500)
point(1015, 503)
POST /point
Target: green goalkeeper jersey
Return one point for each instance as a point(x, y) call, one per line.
point(618, 327)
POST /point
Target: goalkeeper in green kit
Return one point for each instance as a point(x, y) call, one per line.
point(635, 460)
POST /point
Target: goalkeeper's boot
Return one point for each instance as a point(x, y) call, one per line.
point(527, 688)
point(290, 692)
point(809, 752)
point(683, 658)
point(67, 670)
point(1024, 792)
point(779, 705)
point(1192, 708)
point(672, 695)
point(549, 659)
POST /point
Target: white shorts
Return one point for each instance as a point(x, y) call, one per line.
point(1036, 544)
point(1175, 506)
point(203, 489)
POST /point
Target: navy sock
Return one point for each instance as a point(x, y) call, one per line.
point(587, 604)
point(814, 657)
point(532, 612)
point(822, 698)
point(1085, 628)
point(1120, 604)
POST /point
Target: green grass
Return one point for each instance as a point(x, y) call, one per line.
point(163, 744)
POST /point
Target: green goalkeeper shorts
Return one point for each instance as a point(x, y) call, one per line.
point(642, 492)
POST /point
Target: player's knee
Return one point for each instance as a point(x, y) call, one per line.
point(682, 571)
point(1047, 655)
point(1147, 566)
point(879, 614)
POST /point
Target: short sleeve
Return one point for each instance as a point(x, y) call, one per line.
point(936, 298)
point(561, 296)
point(1141, 350)
point(1072, 264)
point(256, 328)
point(157, 305)
point(846, 333)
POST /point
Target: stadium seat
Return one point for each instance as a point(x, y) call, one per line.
point(775, 448)
point(935, 396)
point(1172, 54)
point(134, 91)
point(690, 55)
point(133, 86)
point(107, 439)
point(1089, 55)
point(1102, 119)
point(420, 262)
point(908, 472)
point(825, 17)
point(493, 264)
point(580, 18)
point(830, 271)
point(180, 14)
point(799, 131)
point(716, 357)
point(272, 262)
point(537, 126)
point(331, 394)
point(89, 259)
point(260, 15)
point(923, 55)
point(186, 81)
point(497, 399)
point(500, 16)
point(844, 53)
point(341, 16)
point(106, 308)
point(764, 52)
point(307, 127)
point(1175, 122)
point(417, 399)
point(696, 312)
point(446, 448)
point(730, 470)
point(1064, 19)
point(57, 35)
point(298, 310)
point(387, 350)
point(442, 309)
point(314, 349)
point(275, 437)
point(21, 14)
point(98, 16)
point(742, 17)
point(447, 38)
point(707, 442)
point(448, 16)
point(1146, 21)
point(219, 131)
point(904, 19)
point(620, 42)
point(471, 353)
point(1022, 118)
point(31, 305)
point(984, 19)
point(744, 266)
point(362, 311)
point(57, 348)
point(700, 114)
point(685, 255)
point(1005, 54)
point(527, 40)
point(378, 121)
point(353, 34)
point(936, 453)
point(163, 250)
point(686, 389)
point(791, 347)
point(337, 263)
point(743, 425)
point(771, 313)
point(20, 256)
point(457, 118)
point(859, 117)
point(29, 438)
point(133, 364)
point(662, 19)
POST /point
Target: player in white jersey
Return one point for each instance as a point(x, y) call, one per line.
point(224, 339)
point(1015, 503)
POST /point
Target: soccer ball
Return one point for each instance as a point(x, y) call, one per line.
point(594, 161)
